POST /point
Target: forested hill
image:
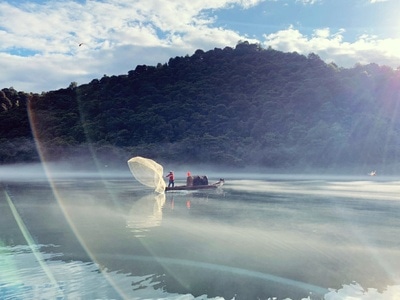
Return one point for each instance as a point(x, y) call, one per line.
point(234, 106)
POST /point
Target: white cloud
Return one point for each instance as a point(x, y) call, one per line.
point(116, 36)
point(332, 47)
point(305, 2)
point(322, 33)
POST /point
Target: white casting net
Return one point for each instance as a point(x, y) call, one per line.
point(147, 172)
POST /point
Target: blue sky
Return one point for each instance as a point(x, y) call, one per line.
point(357, 17)
point(39, 49)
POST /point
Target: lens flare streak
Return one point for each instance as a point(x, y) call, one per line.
point(31, 243)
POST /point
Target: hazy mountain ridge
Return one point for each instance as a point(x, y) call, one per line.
point(242, 106)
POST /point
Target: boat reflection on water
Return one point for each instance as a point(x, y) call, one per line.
point(145, 214)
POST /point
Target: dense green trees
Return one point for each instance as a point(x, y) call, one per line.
point(231, 106)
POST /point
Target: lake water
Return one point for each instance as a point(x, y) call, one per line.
point(267, 237)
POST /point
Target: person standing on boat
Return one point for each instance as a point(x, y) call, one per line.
point(171, 177)
point(189, 179)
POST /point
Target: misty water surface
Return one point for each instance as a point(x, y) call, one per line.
point(269, 236)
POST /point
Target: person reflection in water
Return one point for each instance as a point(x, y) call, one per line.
point(171, 177)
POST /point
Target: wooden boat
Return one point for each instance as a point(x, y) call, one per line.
point(196, 187)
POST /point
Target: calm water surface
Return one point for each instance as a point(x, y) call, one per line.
point(283, 237)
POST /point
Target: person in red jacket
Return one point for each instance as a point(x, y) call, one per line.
point(171, 177)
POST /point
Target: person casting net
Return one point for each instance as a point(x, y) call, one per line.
point(148, 173)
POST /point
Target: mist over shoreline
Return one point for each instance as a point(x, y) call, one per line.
point(75, 169)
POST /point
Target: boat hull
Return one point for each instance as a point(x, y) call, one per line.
point(194, 187)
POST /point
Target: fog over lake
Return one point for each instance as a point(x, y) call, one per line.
point(102, 235)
